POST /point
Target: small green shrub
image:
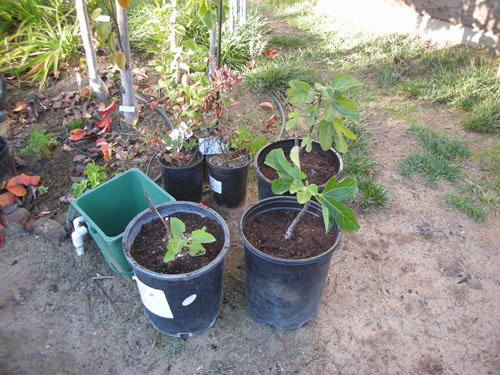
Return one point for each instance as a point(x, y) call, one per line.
point(40, 144)
point(95, 175)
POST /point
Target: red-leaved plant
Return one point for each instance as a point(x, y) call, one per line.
point(16, 187)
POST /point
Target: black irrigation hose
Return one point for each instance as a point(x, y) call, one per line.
point(71, 143)
point(164, 117)
point(157, 109)
point(282, 114)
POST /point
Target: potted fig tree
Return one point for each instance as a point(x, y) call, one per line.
point(176, 251)
point(319, 112)
point(289, 242)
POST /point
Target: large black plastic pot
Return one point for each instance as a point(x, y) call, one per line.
point(183, 183)
point(7, 167)
point(264, 184)
point(228, 185)
point(185, 304)
point(284, 293)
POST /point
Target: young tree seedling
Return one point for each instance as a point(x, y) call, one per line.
point(323, 107)
point(179, 242)
point(292, 179)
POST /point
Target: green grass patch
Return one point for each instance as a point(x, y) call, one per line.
point(371, 194)
point(477, 198)
point(469, 207)
point(434, 167)
point(463, 77)
point(273, 74)
point(359, 165)
point(490, 160)
point(440, 159)
point(440, 145)
point(288, 41)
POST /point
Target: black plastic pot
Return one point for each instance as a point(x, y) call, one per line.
point(183, 183)
point(179, 305)
point(284, 293)
point(264, 184)
point(228, 186)
point(7, 167)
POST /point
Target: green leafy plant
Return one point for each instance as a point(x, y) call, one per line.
point(181, 243)
point(42, 190)
point(322, 108)
point(95, 175)
point(40, 144)
point(291, 179)
point(251, 142)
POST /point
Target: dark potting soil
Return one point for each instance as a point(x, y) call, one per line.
point(150, 245)
point(235, 160)
point(266, 232)
point(317, 166)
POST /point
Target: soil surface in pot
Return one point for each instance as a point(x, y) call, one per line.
point(317, 166)
point(267, 231)
point(150, 245)
point(237, 159)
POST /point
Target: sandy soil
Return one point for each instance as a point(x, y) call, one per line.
point(415, 291)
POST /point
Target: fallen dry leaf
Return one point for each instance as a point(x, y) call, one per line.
point(267, 105)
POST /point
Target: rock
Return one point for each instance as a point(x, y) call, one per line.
point(17, 219)
point(49, 229)
point(19, 295)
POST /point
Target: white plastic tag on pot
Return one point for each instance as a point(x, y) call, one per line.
point(154, 300)
point(215, 185)
point(210, 146)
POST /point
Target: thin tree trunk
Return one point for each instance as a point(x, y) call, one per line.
point(126, 74)
point(243, 12)
point(173, 40)
point(292, 226)
point(211, 53)
point(96, 83)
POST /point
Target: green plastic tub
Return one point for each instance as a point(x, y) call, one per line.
point(108, 208)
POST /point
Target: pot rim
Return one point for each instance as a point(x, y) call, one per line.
point(215, 167)
point(291, 201)
point(176, 206)
point(261, 176)
point(199, 156)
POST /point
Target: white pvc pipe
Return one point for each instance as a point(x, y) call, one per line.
point(78, 234)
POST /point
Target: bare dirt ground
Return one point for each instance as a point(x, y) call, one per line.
point(415, 291)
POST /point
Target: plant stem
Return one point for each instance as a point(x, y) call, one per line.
point(152, 205)
point(112, 11)
point(290, 229)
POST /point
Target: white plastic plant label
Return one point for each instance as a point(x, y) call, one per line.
point(210, 146)
point(215, 185)
point(154, 300)
point(127, 108)
point(102, 18)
